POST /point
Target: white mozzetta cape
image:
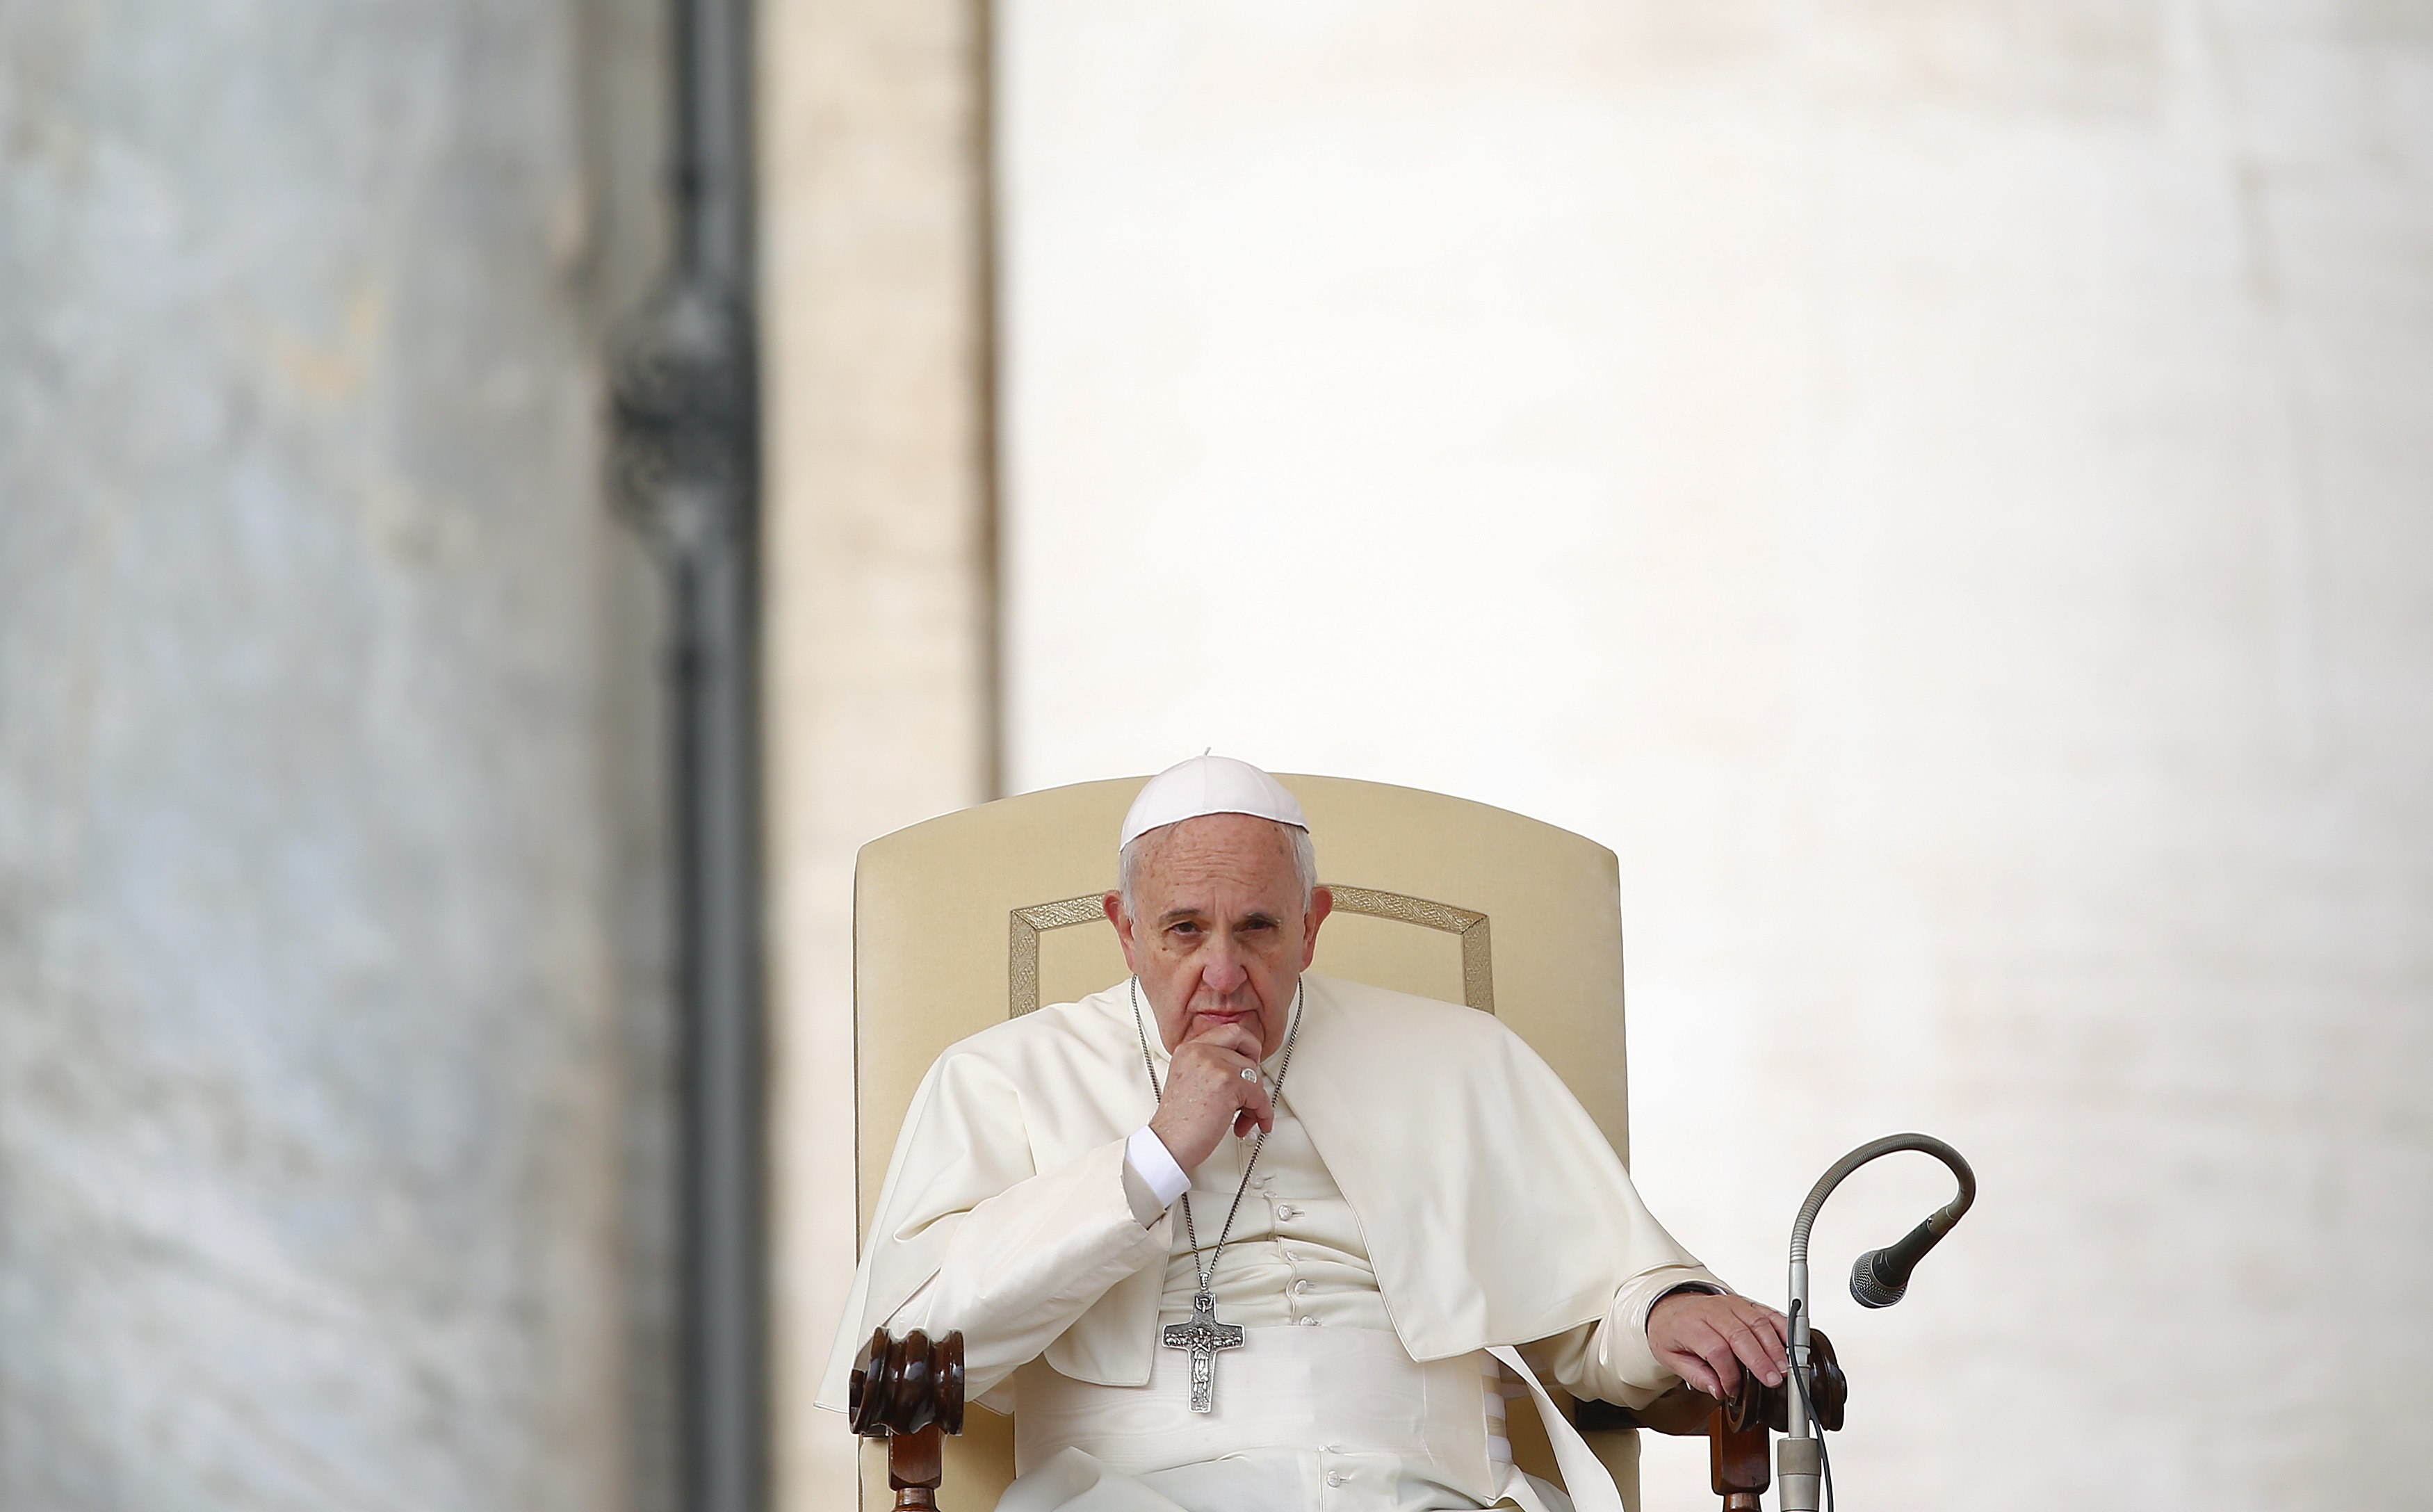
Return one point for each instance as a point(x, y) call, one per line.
point(1493, 1209)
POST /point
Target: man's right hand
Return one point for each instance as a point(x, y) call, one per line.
point(1207, 1096)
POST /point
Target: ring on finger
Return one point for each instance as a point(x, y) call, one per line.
point(1249, 1073)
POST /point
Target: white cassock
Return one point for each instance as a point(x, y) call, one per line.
point(1434, 1216)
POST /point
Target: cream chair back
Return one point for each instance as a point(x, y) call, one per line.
point(968, 918)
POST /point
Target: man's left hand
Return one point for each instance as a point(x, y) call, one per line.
point(1708, 1340)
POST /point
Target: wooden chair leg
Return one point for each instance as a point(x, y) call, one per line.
point(915, 1465)
point(1737, 1458)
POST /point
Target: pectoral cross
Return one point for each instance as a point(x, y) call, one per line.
point(1204, 1336)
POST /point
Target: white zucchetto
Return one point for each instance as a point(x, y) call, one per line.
point(1209, 785)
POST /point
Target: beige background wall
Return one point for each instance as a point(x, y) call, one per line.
point(1940, 488)
point(881, 625)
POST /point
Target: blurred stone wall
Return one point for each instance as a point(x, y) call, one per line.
point(332, 1084)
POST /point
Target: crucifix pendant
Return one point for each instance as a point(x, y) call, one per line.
point(1204, 1336)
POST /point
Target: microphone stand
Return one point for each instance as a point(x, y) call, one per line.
point(1799, 1459)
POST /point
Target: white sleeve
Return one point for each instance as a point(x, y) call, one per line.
point(1026, 1262)
point(1147, 1158)
point(1609, 1359)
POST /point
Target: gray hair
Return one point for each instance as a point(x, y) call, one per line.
point(1305, 855)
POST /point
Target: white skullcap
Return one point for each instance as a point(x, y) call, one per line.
point(1209, 785)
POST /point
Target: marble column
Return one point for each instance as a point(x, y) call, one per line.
point(332, 1104)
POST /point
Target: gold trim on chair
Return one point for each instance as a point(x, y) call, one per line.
point(1022, 944)
point(1477, 963)
point(1025, 926)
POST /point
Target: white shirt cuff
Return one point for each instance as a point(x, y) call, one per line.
point(1154, 1164)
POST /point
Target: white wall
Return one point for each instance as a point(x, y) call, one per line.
point(1940, 490)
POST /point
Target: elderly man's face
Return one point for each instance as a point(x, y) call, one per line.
point(1222, 936)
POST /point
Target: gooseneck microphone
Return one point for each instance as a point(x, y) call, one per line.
point(1880, 1279)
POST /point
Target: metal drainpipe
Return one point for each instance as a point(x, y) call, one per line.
point(687, 411)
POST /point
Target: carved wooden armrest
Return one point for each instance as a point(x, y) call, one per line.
point(1735, 1429)
point(909, 1391)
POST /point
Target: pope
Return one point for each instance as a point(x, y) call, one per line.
point(1232, 1236)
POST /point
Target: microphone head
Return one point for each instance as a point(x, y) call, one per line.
point(1876, 1282)
point(1881, 1277)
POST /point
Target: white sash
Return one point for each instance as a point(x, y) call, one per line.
point(1585, 1477)
point(1350, 1390)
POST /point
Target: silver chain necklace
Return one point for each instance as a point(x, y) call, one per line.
point(1204, 1336)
